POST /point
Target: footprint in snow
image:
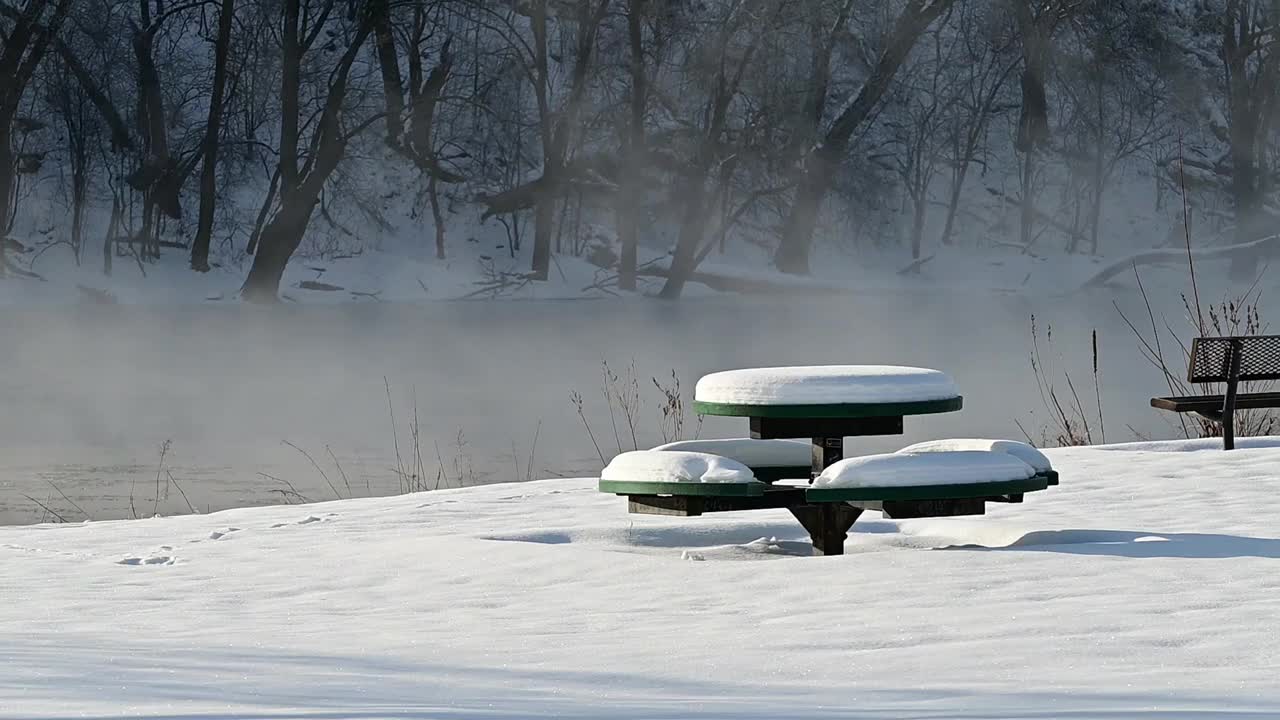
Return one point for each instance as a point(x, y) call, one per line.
point(153, 560)
point(309, 519)
point(219, 534)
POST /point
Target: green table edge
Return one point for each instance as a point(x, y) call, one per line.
point(836, 410)
point(957, 491)
point(626, 487)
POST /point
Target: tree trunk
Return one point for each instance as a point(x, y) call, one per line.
point(8, 177)
point(543, 229)
point(692, 227)
point(953, 202)
point(108, 243)
point(389, 64)
point(917, 221)
point(1033, 117)
point(280, 239)
point(1099, 160)
point(1245, 107)
point(629, 199)
point(544, 212)
point(1027, 203)
point(260, 222)
point(1099, 192)
point(156, 178)
point(79, 193)
point(209, 170)
point(793, 254)
point(556, 128)
point(290, 87)
point(437, 216)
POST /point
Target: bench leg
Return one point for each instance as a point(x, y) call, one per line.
point(1229, 400)
point(828, 525)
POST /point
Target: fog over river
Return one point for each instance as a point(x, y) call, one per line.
point(93, 392)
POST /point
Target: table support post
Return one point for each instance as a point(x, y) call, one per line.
point(826, 452)
point(828, 525)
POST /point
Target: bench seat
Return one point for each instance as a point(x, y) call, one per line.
point(1214, 403)
point(770, 460)
point(685, 489)
point(942, 491)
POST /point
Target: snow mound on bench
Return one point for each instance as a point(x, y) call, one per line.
point(675, 467)
point(825, 385)
point(1020, 450)
point(932, 468)
point(753, 453)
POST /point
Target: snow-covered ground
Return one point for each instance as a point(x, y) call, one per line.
point(485, 269)
point(1146, 585)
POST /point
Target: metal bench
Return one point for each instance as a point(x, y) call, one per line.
point(1229, 360)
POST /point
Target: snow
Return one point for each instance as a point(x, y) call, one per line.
point(753, 453)
point(825, 384)
point(675, 467)
point(1142, 587)
point(399, 267)
point(1020, 450)
point(1196, 445)
point(930, 468)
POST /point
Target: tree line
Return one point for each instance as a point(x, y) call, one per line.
point(689, 123)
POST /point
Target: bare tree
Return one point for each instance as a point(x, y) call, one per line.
point(1251, 66)
point(984, 68)
point(1112, 117)
point(633, 146)
point(1038, 21)
point(303, 173)
point(212, 140)
point(744, 21)
point(821, 163)
point(26, 40)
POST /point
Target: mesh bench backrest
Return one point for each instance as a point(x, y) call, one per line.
point(1211, 358)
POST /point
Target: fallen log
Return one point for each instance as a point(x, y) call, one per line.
point(746, 285)
point(1157, 257)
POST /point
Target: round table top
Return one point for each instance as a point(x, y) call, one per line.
point(827, 391)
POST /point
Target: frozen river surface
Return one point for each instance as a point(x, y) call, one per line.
point(90, 394)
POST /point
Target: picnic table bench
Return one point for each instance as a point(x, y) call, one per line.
point(1229, 360)
point(824, 405)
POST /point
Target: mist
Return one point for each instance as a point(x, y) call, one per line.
point(92, 393)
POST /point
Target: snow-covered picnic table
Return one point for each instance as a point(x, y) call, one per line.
point(824, 405)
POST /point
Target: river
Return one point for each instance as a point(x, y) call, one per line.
point(92, 393)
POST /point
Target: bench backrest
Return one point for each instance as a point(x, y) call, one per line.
point(1211, 358)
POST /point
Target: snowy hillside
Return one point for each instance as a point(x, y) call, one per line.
point(1146, 585)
